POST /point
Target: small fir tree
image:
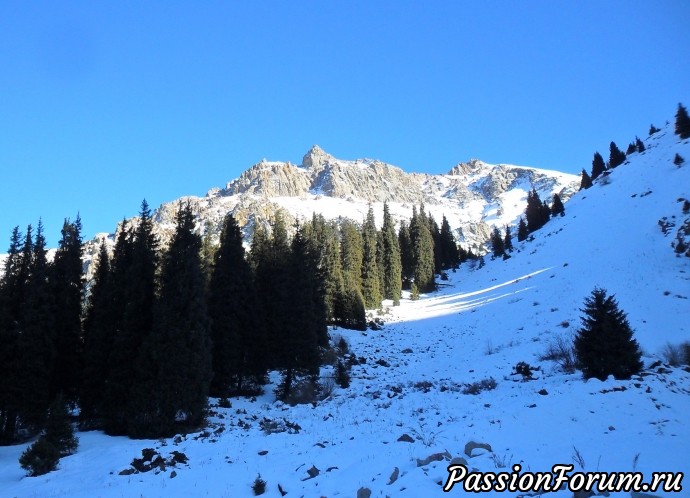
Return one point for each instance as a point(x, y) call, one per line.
point(497, 245)
point(652, 130)
point(598, 166)
point(557, 207)
point(58, 430)
point(586, 180)
point(40, 458)
point(639, 144)
point(616, 156)
point(522, 232)
point(678, 160)
point(604, 345)
point(508, 239)
point(682, 122)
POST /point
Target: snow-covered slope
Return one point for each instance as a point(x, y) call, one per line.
point(412, 374)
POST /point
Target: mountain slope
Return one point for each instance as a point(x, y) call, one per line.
point(415, 372)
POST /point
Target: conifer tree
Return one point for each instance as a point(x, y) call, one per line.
point(58, 428)
point(497, 243)
point(639, 145)
point(535, 212)
point(652, 130)
point(299, 355)
point(237, 332)
point(136, 290)
point(406, 255)
point(508, 239)
point(586, 181)
point(557, 207)
point(352, 253)
point(604, 345)
point(68, 290)
point(448, 247)
point(99, 328)
point(36, 344)
point(598, 166)
point(392, 267)
point(371, 290)
point(423, 252)
point(435, 233)
point(12, 291)
point(523, 232)
point(325, 246)
point(678, 160)
point(175, 357)
point(682, 122)
point(616, 156)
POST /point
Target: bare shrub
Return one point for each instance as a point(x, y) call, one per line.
point(560, 350)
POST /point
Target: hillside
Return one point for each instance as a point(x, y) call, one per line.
point(412, 374)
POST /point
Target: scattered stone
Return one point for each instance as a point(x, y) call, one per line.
point(282, 491)
point(173, 474)
point(263, 452)
point(612, 428)
point(179, 457)
point(435, 457)
point(533, 405)
point(407, 351)
point(472, 445)
point(458, 461)
point(364, 493)
point(313, 471)
point(543, 392)
point(128, 472)
point(405, 438)
point(394, 476)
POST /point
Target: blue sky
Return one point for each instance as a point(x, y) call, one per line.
point(103, 104)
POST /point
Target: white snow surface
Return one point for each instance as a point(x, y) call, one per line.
point(477, 326)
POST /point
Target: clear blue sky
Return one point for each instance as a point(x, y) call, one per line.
point(105, 103)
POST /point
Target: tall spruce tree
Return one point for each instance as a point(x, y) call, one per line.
point(371, 289)
point(99, 330)
point(352, 254)
point(12, 291)
point(508, 239)
point(604, 345)
point(237, 331)
point(639, 144)
point(616, 156)
point(534, 212)
point(68, 290)
point(497, 243)
point(406, 254)
point(447, 247)
point(422, 251)
point(682, 128)
point(586, 180)
point(135, 289)
point(176, 356)
point(598, 166)
point(392, 268)
point(37, 342)
point(522, 232)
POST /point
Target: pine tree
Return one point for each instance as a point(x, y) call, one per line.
point(435, 238)
point(508, 239)
point(598, 166)
point(371, 290)
point(535, 212)
point(176, 356)
point(682, 122)
point(12, 290)
point(325, 246)
point(423, 252)
point(68, 290)
point(557, 207)
point(604, 345)
point(237, 332)
point(616, 156)
point(448, 246)
point(586, 181)
point(99, 328)
point(135, 288)
point(653, 129)
point(392, 267)
point(37, 343)
point(352, 254)
point(523, 232)
point(406, 255)
point(58, 428)
point(639, 144)
point(497, 243)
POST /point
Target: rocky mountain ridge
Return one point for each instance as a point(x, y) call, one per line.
point(474, 196)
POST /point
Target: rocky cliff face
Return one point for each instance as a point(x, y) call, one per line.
point(474, 196)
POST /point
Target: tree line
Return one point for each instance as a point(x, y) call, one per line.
point(163, 328)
